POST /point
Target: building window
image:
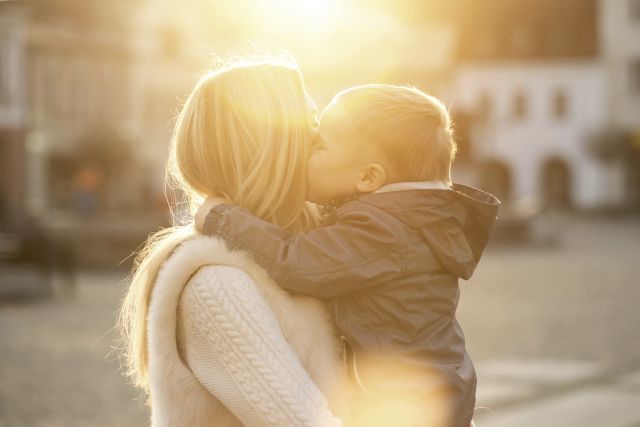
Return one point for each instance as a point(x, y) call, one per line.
point(4, 74)
point(519, 109)
point(556, 183)
point(82, 90)
point(634, 9)
point(497, 178)
point(634, 76)
point(77, 88)
point(51, 88)
point(559, 104)
point(65, 88)
point(483, 108)
point(35, 88)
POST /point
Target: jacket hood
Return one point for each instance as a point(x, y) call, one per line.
point(456, 223)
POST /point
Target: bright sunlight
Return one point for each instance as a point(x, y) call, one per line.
point(298, 16)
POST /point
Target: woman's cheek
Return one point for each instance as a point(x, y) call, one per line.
point(313, 163)
point(311, 172)
point(316, 174)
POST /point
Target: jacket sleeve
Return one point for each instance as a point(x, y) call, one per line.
point(360, 250)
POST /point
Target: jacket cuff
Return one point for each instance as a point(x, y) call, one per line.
point(213, 219)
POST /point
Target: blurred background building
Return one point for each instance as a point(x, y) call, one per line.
point(69, 144)
point(549, 86)
point(546, 94)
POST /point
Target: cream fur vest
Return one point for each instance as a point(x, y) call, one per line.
point(177, 398)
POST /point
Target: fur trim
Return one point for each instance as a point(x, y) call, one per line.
point(177, 398)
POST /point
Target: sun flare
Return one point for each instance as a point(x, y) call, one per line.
point(295, 15)
point(314, 8)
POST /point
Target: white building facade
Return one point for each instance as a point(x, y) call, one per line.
point(535, 121)
point(558, 120)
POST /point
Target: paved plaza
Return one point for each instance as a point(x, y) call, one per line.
point(553, 329)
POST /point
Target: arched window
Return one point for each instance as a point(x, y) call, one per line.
point(519, 106)
point(556, 182)
point(496, 178)
point(4, 73)
point(560, 104)
point(483, 107)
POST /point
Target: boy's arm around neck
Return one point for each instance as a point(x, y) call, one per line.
point(357, 251)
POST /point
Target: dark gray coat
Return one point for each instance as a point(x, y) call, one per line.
point(389, 265)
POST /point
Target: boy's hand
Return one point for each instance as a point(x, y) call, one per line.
point(205, 208)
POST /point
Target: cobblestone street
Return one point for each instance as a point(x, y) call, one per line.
point(552, 328)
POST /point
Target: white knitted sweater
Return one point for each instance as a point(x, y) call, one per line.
point(199, 355)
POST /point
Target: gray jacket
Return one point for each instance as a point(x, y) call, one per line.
point(388, 264)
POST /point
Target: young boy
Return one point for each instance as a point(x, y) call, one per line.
point(389, 256)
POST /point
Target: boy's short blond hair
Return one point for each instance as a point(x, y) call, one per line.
point(411, 128)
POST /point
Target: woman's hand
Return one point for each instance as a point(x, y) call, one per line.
point(205, 208)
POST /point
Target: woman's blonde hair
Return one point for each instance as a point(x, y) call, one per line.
point(245, 133)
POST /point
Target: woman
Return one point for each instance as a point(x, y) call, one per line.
point(205, 330)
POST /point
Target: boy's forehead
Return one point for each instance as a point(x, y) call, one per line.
point(333, 116)
point(336, 128)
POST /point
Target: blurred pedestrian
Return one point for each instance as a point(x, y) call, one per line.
point(86, 187)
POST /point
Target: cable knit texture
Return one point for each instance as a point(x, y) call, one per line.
point(236, 349)
point(234, 340)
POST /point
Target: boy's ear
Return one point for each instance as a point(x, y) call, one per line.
point(372, 178)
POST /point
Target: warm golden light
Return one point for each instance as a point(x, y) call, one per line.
point(314, 8)
point(297, 17)
point(424, 399)
point(302, 8)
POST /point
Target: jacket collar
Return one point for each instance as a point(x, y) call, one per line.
point(422, 185)
point(389, 188)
